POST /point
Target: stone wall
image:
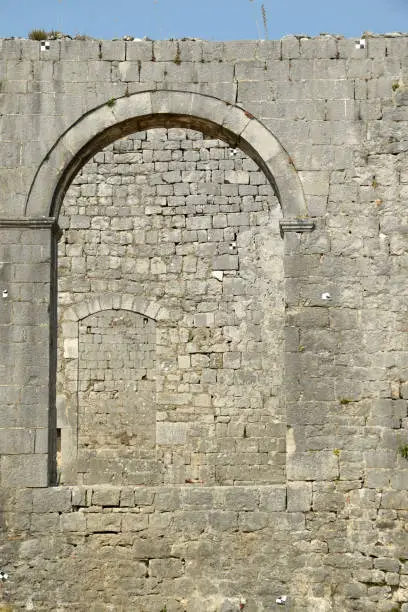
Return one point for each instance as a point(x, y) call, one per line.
point(269, 378)
point(168, 215)
point(116, 398)
point(149, 548)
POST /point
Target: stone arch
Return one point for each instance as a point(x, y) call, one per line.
point(125, 301)
point(149, 109)
point(69, 410)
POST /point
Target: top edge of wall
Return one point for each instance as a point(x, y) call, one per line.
point(323, 36)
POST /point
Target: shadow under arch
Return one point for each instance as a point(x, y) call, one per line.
point(153, 109)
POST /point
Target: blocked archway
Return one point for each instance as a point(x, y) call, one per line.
point(144, 111)
point(163, 109)
point(197, 239)
point(106, 415)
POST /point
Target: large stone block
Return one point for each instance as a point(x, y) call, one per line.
point(135, 522)
point(54, 499)
point(79, 50)
point(299, 496)
point(100, 523)
point(114, 50)
point(242, 498)
point(226, 262)
point(16, 441)
point(319, 465)
point(105, 496)
point(19, 471)
point(171, 433)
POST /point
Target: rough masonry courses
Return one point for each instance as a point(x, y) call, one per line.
point(203, 325)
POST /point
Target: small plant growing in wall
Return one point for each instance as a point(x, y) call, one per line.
point(38, 35)
point(177, 59)
point(53, 34)
point(403, 451)
point(111, 103)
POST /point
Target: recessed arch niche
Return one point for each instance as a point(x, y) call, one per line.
point(228, 363)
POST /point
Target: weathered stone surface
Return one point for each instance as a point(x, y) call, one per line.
point(203, 358)
point(117, 368)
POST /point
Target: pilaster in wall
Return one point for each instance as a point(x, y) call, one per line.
point(25, 277)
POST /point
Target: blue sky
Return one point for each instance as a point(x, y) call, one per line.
point(208, 19)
